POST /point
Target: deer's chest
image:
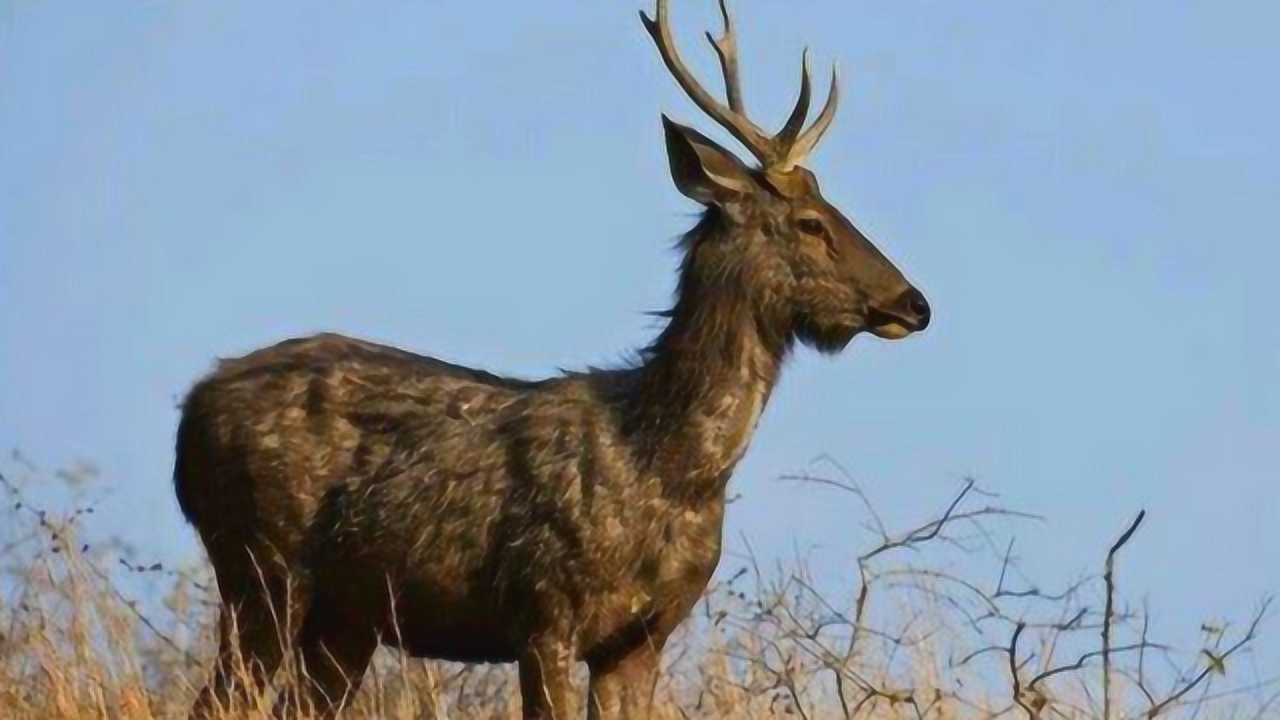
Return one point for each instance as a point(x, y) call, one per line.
point(684, 550)
point(661, 571)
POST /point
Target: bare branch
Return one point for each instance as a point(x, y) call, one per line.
point(1109, 614)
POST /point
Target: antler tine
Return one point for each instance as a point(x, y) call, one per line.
point(810, 138)
point(726, 47)
point(786, 137)
point(736, 123)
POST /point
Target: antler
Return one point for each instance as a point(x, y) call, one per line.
point(736, 122)
point(727, 50)
point(808, 140)
point(782, 151)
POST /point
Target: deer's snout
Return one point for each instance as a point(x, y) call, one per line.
point(916, 308)
point(908, 313)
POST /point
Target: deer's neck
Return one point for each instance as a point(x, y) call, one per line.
point(704, 385)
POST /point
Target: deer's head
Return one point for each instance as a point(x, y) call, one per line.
point(793, 252)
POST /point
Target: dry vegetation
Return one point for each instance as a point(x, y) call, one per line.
point(86, 631)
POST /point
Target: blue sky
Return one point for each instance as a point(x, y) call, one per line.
point(1086, 191)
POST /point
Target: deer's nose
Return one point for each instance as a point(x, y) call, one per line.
point(914, 302)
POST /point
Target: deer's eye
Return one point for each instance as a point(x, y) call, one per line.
point(814, 227)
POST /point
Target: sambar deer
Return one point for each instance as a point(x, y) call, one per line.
point(350, 494)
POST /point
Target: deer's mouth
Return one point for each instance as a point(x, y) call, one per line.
point(889, 326)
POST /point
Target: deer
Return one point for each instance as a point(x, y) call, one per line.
point(351, 494)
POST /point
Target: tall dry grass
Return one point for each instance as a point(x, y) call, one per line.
point(89, 631)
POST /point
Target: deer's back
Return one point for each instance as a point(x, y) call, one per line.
point(264, 437)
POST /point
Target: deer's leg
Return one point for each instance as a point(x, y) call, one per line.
point(258, 618)
point(333, 654)
point(547, 689)
point(622, 685)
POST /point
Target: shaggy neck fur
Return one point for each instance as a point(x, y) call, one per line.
point(706, 379)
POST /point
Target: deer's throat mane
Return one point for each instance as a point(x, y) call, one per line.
point(707, 377)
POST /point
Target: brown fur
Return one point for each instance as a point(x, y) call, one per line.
point(350, 494)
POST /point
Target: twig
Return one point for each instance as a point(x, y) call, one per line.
point(1108, 615)
point(1215, 664)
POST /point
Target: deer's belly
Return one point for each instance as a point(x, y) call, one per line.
point(447, 628)
point(453, 642)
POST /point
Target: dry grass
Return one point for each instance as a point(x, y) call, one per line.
point(913, 639)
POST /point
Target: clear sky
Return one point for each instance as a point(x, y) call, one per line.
point(1087, 192)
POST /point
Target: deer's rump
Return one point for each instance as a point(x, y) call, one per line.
point(337, 461)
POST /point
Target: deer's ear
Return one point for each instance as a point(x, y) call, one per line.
point(702, 170)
